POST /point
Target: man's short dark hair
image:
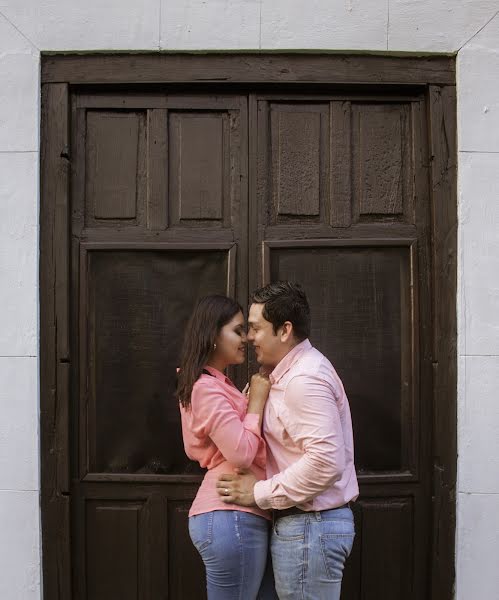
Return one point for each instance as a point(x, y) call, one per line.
point(285, 301)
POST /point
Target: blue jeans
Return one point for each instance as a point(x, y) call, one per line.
point(309, 552)
point(234, 548)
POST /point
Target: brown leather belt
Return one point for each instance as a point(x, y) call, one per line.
point(294, 510)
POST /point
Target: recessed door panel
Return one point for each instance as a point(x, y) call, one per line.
point(138, 304)
point(362, 305)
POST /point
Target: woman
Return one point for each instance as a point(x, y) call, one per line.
point(222, 431)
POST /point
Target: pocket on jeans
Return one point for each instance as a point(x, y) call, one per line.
point(289, 529)
point(201, 530)
point(336, 548)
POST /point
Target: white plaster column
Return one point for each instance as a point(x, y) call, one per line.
point(19, 439)
point(478, 406)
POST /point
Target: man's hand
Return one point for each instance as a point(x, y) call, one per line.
point(237, 488)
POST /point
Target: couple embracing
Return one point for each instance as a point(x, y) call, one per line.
point(272, 518)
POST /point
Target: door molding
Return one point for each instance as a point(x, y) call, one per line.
point(221, 68)
point(435, 75)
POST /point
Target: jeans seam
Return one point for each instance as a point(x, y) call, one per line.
point(322, 545)
point(209, 533)
point(306, 537)
point(210, 527)
point(324, 558)
point(241, 552)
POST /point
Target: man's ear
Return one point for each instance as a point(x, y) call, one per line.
point(286, 331)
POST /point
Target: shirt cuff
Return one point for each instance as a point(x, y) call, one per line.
point(252, 422)
point(263, 494)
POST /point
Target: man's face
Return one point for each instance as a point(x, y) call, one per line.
point(268, 345)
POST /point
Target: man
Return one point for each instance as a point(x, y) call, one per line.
point(310, 459)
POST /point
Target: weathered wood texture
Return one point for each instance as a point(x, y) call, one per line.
point(369, 279)
point(247, 68)
point(443, 147)
point(362, 309)
point(159, 219)
point(54, 342)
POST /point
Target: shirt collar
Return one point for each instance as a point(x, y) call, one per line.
point(288, 361)
point(218, 374)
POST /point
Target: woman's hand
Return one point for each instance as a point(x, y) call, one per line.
point(258, 394)
point(259, 388)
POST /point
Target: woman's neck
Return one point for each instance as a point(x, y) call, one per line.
point(218, 365)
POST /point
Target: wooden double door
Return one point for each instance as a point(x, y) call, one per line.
point(178, 194)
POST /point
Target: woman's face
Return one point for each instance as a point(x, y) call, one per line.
point(231, 342)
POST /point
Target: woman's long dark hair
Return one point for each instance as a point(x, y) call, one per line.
point(208, 318)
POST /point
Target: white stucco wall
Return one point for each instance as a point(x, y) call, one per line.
point(469, 27)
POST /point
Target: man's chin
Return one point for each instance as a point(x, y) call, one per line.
point(260, 360)
point(263, 364)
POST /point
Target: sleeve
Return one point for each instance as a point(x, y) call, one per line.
point(237, 440)
point(312, 420)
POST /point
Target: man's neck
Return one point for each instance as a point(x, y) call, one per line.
point(286, 351)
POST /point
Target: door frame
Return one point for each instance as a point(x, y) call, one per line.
point(434, 75)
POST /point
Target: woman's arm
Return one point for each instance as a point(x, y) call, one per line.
point(237, 440)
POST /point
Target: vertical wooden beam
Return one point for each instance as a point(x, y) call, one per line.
point(54, 341)
point(340, 166)
point(417, 209)
point(253, 247)
point(443, 150)
point(157, 169)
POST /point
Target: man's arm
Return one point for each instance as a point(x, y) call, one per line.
point(312, 420)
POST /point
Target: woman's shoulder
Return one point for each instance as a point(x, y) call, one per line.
point(205, 379)
point(208, 386)
point(207, 383)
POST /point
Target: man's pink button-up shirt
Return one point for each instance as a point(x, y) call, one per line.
point(308, 430)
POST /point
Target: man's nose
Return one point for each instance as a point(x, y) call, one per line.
point(249, 336)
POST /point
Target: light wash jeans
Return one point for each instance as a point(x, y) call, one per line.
point(234, 548)
point(309, 552)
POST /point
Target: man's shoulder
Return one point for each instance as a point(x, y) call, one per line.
point(311, 362)
point(313, 365)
